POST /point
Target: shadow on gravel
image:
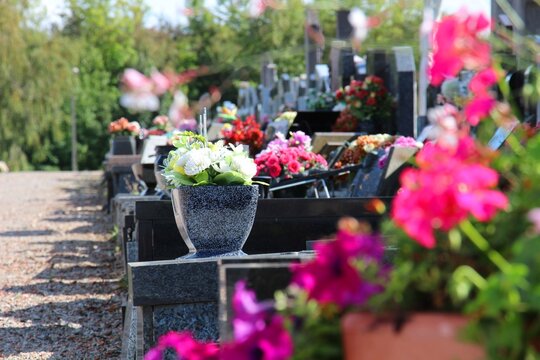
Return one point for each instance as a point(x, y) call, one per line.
point(84, 327)
point(23, 233)
point(71, 330)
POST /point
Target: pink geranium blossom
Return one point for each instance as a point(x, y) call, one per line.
point(481, 83)
point(450, 184)
point(332, 278)
point(479, 108)
point(457, 45)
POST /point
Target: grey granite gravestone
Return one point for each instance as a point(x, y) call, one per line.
point(343, 26)
point(182, 295)
point(367, 180)
point(342, 67)
point(403, 83)
point(312, 50)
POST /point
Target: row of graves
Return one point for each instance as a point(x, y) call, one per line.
point(174, 282)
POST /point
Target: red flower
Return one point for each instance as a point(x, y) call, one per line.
point(371, 101)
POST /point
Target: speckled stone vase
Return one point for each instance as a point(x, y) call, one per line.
point(214, 221)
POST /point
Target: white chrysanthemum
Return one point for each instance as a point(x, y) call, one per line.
point(222, 166)
point(197, 161)
point(218, 152)
point(245, 166)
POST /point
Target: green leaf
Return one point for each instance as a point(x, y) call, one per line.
point(229, 178)
point(202, 177)
point(183, 179)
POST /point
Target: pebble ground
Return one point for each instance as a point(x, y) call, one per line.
point(59, 274)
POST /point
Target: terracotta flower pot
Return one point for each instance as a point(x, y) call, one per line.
point(425, 336)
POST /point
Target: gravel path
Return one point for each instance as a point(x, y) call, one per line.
point(59, 277)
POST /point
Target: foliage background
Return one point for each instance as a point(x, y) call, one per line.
point(102, 37)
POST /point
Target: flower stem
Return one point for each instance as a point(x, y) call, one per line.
point(481, 243)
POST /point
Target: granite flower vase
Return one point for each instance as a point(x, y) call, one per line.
point(215, 221)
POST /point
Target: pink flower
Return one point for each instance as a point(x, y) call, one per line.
point(274, 170)
point(136, 81)
point(160, 83)
point(450, 184)
point(479, 108)
point(271, 343)
point(457, 44)
point(259, 333)
point(272, 160)
point(483, 81)
point(332, 278)
point(534, 217)
point(185, 347)
point(257, 8)
point(249, 315)
point(294, 167)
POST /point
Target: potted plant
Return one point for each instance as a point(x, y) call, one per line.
point(160, 126)
point(370, 103)
point(213, 196)
point(358, 150)
point(123, 132)
point(246, 132)
point(320, 101)
point(284, 159)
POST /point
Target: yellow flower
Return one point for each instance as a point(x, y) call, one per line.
point(179, 169)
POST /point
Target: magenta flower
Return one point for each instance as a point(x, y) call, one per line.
point(457, 45)
point(479, 108)
point(450, 184)
point(250, 316)
point(482, 82)
point(185, 346)
point(259, 333)
point(273, 342)
point(332, 278)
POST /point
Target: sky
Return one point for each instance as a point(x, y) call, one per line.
point(171, 10)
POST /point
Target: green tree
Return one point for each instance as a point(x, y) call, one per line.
point(34, 78)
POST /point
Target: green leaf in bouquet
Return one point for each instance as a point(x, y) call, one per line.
point(202, 177)
point(230, 178)
point(180, 179)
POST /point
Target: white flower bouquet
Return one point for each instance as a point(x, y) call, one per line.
point(195, 161)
